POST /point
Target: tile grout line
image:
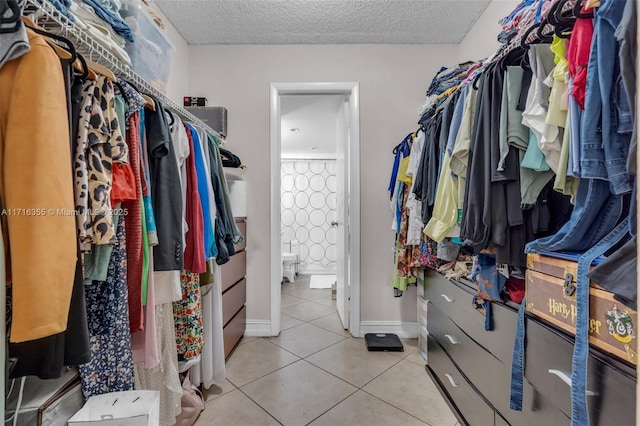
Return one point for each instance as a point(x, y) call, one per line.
point(261, 407)
point(397, 408)
point(358, 388)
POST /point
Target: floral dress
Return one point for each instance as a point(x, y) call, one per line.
point(111, 365)
point(187, 314)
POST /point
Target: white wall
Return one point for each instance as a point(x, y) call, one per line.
point(393, 80)
point(481, 41)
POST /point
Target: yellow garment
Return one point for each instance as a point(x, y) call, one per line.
point(559, 97)
point(445, 209)
point(402, 171)
point(35, 185)
point(450, 91)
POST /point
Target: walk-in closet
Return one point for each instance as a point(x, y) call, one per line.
point(328, 213)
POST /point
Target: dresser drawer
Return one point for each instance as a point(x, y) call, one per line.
point(456, 301)
point(233, 300)
point(457, 389)
point(537, 409)
point(481, 367)
point(241, 223)
point(234, 270)
point(233, 332)
point(422, 312)
point(548, 357)
point(423, 342)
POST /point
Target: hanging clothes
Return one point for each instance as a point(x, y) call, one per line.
point(42, 247)
point(188, 319)
point(111, 365)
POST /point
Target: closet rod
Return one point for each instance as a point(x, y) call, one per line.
point(51, 20)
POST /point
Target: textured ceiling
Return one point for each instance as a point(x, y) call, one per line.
point(322, 21)
point(316, 117)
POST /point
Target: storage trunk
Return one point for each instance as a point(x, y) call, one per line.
point(550, 295)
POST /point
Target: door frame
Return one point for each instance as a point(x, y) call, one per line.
point(352, 90)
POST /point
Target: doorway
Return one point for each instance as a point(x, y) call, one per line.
point(344, 221)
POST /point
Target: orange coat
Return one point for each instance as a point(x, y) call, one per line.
point(35, 188)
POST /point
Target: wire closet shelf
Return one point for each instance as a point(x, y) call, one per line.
point(51, 20)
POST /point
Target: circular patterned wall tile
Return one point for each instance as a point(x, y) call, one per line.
point(332, 183)
point(302, 200)
point(288, 200)
point(316, 252)
point(287, 183)
point(302, 235)
point(318, 200)
point(331, 216)
point(301, 167)
point(331, 254)
point(302, 183)
point(317, 218)
point(287, 167)
point(331, 167)
point(332, 235)
point(288, 218)
point(302, 217)
point(317, 183)
point(316, 235)
point(316, 167)
point(288, 234)
point(332, 201)
point(304, 251)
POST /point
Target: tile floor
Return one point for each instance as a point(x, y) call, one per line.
point(315, 373)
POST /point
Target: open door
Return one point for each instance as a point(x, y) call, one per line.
point(342, 215)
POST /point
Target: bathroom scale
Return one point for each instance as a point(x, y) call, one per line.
point(378, 342)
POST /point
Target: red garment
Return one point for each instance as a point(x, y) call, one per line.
point(124, 186)
point(578, 52)
point(133, 230)
point(194, 255)
point(514, 287)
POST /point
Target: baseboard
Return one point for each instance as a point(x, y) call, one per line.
point(406, 330)
point(257, 328)
point(317, 272)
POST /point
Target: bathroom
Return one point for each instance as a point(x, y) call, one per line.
point(308, 188)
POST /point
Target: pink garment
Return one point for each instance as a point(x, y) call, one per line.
point(144, 344)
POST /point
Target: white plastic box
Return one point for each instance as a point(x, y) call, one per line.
point(126, 408)
point(151, 50)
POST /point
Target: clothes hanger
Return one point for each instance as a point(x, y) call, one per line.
point(592, 3)
point(102, 70)
point(577, 11)
point(61, 45)
point(9, 21)
point(151, 103)
point(171, 116)
point(523, 41)
point(542, 36)
point(85, 68)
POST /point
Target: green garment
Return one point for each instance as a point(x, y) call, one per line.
point(445, 209)
point(145, 256)
point(567, 185)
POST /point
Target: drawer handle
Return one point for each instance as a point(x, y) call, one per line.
point(453, 382)
point(447, 298)
point(451, 339)
point(567, 379)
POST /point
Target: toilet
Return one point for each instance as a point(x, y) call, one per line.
point(290, 260)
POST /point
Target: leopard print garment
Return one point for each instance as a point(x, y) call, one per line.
point(80, 171)
point(104, 145)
